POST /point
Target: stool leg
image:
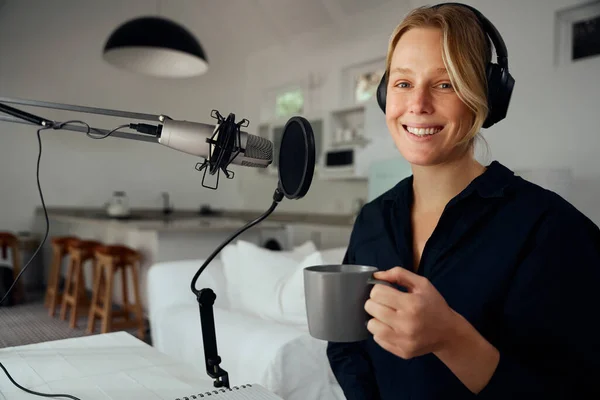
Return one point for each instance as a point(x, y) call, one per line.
point(107, 317)
point(52, 294)
point(19, 288)
point(95, 298)
point(67, 291)
point(125, 288)
point(82, 290)
point(49, 284)
point(138, 303)
point(77, 289)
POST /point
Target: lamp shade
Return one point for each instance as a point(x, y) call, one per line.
point(156, 47)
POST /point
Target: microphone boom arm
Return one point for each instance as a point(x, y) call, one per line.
point(22, 117)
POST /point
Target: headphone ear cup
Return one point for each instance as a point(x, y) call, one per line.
point(382, 92)
point(500, 86)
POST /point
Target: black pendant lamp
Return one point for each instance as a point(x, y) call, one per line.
point(157, 47)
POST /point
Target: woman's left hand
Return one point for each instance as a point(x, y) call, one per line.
point(409, 324)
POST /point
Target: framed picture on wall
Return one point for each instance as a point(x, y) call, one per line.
point(359, 81)
point(577, 33)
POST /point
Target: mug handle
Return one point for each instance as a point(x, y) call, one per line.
point(373, 281)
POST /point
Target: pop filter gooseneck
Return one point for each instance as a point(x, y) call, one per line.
point(296, 170)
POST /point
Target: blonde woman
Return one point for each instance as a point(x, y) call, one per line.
point(497, 279)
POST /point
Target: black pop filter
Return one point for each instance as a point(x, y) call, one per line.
point(296, 158)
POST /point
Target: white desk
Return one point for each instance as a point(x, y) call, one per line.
point(107, 366)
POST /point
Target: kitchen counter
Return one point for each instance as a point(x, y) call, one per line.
point(186, 220)
point(148, 222)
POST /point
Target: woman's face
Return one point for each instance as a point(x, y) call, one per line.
point(424, 115)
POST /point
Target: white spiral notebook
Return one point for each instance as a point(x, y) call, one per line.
point(110, 366)
point(244, 392)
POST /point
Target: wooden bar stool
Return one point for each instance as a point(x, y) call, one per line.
point(75, 295)
point(59, 252)
point(8, 241)
point(111, 260)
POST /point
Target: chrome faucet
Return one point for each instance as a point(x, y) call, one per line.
point(167, 209)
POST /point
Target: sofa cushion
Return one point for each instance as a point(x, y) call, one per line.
point(255, 276)
point(334, 255)
point(292, 298)
point(300, 252)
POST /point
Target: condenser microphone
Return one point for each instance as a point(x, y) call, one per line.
point(219, 144)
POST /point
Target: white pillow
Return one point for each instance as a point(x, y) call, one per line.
point(255, 278)
point(229, 258)
point(333, 256)
point(299, 253)
point(234, 260)
point(292, 298)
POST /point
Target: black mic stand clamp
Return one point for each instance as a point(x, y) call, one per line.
point(206, 298)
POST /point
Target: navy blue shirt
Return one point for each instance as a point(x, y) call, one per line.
point(519, 262)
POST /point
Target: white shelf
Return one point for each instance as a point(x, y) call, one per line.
point(347, 127)
point(358, 108)
point(362, 141)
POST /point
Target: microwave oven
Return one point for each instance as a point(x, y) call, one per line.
point(342, 163)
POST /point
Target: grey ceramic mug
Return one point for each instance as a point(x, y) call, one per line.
point(335, 301)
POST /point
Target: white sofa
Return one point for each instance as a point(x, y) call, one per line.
point(260, 318)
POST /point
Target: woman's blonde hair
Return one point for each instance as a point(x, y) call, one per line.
point(466, 50)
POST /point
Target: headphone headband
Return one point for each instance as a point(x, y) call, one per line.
point(500, 82)
point(490, 30)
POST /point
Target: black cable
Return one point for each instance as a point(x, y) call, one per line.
point(45, 214)
point(59, 125)
point(277, 197)
point(68, 396)
point(90, 129)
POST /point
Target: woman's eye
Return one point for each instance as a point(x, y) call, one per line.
point(446, 85)
point(403, 85)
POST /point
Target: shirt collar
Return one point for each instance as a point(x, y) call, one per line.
point(492, 183)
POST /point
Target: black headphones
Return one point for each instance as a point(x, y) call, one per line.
point(499, 81)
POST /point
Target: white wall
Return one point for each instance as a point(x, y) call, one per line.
point(553, 117)
point(54, 54)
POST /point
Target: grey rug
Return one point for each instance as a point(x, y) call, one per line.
point(29, 323)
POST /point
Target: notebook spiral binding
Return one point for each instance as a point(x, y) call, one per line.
point(213, 392)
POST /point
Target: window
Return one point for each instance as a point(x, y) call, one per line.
point(586, 38)
point(577, 33)
point(360, 82)
point(365, 85)
point(284, 101)
point(289, 103)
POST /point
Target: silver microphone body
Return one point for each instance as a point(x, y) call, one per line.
point(190, 137)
